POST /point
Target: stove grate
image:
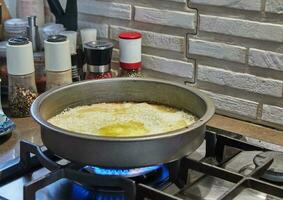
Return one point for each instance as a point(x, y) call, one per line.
point(34, 157)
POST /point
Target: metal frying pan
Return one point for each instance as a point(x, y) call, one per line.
point(123, 152)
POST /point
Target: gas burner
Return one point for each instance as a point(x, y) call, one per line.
point(130, 173)
point(154, 176)
point(275, 171)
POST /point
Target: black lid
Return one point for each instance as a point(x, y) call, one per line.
point(99, 52)
point(56, 38)
point(17, 41)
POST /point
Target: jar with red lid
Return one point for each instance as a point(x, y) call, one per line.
point(98, 58)
point(130, 54)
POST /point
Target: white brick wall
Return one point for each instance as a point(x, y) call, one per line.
point(274, 6)
point(238, 47)
point(165, 17)
point(234, 105)
point(153, 39)
point(241, 81)
point(242, 28)
point(217, 50)
point(107, 9)
point(272, 114)
point(254, 5)
point(170, 66)
point(266, 59)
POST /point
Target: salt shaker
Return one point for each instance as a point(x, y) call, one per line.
point(98, 58)
point(57, 61)
point(21, 76)
point(130, 54)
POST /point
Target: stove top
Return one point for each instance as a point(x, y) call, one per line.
point(225, 166)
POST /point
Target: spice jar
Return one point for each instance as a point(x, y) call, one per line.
point(87, 35)
point(40, 75)
point(15, 27)
point(22, 88)
point(130, 54)
point(3, 67)
point(57, 61)
point(98, 58)
point(72, 37)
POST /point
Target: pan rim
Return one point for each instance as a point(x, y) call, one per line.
point(200, 122)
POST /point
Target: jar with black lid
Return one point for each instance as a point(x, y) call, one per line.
point(21, 76)
point(98, 58)
point(57, 61)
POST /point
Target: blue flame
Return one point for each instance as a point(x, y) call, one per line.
point(123, 172)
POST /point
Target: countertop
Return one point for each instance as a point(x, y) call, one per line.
point(28, 130)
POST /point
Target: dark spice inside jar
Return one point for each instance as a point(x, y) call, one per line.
point(132, 73)
point(20, 101)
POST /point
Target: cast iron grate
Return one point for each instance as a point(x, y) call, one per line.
point(33, 157)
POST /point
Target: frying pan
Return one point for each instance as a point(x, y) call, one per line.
point(122, 152)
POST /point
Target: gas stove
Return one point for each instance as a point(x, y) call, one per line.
point(226, 166)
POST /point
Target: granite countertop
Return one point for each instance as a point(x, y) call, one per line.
point(27, 129)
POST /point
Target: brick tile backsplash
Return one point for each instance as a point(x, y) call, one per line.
point(217, 50)
point(241, 81)
point(242, 28)
point(234, 105)
point(234, 47)
point(170, 66)
point(274, 6)
point(266, 59)
point(106, 9)
point(254, 5)
point(272, 114)
point(166, 17)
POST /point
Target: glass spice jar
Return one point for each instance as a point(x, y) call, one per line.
point(21, 77)
point(57, 61)
point(40, 75)
point(98, 57)
point(130, 54)
point(3, 67)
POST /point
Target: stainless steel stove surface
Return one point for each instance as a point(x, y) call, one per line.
point(224, 167)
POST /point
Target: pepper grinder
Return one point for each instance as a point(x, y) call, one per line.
point(98, 58)
point(57, 61)
point(87, 35)
point(21, 76)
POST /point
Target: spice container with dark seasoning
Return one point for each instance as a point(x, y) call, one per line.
point(130, 54)
point(57, 61)
point(98, 57)
point(72, 37)
point(40, 75)
point(3, 67)
point(20, 65)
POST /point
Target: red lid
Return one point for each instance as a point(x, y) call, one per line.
point(130, 35)
point(130, 66)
